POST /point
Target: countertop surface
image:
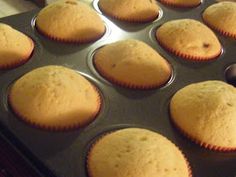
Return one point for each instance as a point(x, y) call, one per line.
point(11, 7)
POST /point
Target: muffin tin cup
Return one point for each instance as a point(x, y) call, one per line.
point(110, 80)
point(128, 20)
point(63, 153)
point(190, 57)
point(120, 127)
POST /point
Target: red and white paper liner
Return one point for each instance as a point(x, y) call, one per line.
point(14, 64)
point(129, 19)
point(58, 128)
point(77, 41)
point(131, 85)
point(173, 4)
point(199, 142)
point(189, 57)
point(221, 31)
point(102, 136)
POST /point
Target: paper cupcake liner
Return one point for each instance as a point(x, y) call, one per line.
point(79, 41)
point(190, 174)
point(202, 144)
point(189, 57)
point(56, 128)
point(20, 62)
point(129, 19)
point(102, 136)
point(221, 31)
point(89, 154)
point(186, 160)
point(189, 167)
point(14, 64)
point(130, 85)
point(179, 5)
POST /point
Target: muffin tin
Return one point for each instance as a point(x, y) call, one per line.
point(63, 154)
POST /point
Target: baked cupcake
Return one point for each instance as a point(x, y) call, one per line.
point(54, 98)
point(182, 3)
point(133, 64)
point(70, 21)
point(130, 10)
point(222, 17)
point(136, 152)
point(206, 113)
point(189, 39)
point(15, 49)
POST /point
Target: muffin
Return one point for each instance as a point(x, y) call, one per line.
point(15, 49)
point(138, 153)
point(70, 21)
point(206, 113)
point(189, 39)
point(130, 10)
point(182, 3)
point(54, 98)
point(222, 17)
point(133, 64)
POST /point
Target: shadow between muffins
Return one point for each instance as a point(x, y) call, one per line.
point(61, 48)
point(46, 143)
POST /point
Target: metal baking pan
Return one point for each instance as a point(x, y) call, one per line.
point(63, 154)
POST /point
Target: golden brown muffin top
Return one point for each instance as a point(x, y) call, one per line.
point(189, 39)
point(206, 111)
point(132, 63)
point(222, 17)
point(138, 153)
point(130, 10)
point(54, 97)
point(70, 21)
point(15, 46)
